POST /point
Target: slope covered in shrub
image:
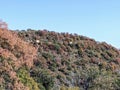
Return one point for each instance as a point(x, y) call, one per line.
point(46, 60)
point(74, 60)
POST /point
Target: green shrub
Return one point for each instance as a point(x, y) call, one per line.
point(25, 78)
point(117, 82)
point(57, 46)
point(43, 77)
point(1, 59)
point(47, 55)
point(7, 81)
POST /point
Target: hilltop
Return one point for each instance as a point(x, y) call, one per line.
point(47, 60)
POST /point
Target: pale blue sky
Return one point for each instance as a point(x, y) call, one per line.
point(98, 19)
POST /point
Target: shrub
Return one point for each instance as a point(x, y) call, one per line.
point(1, 59)
point(24, 77)
point(43, 77)
point(117, 82)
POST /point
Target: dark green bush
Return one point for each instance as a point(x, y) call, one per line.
point(43, 77)
point(1, 59)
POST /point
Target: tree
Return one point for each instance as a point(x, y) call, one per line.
point(3, 25)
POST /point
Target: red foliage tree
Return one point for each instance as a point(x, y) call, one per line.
point(3, 25)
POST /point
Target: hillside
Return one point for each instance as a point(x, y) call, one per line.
point(47, 60)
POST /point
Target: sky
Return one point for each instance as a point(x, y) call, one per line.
point(97, 19)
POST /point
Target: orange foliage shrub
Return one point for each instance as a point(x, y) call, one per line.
point(7, 54)
point(16, 53)
point(17, 45)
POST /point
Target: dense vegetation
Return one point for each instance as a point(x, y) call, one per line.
point(46, 60)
